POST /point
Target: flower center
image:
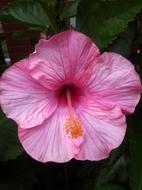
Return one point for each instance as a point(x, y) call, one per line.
point(73, 124)
point(76, 94)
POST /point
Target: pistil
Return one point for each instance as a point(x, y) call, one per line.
point(73, 124)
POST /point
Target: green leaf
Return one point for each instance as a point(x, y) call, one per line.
point(139, 39)
point(111, 172)
point(2, 68)
point(10, 147)
point(125, 40)
point(136, 162)
point(110, 187)
point(24, 33)
point(4, 16)
point(29, 12)
point(104, 20)
point(117, 163)
point(69, 10)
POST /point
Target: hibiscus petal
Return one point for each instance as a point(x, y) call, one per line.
point(49, 142)
point(115, 82)
point(65, 57)
point(23, 99)
point(104, 130)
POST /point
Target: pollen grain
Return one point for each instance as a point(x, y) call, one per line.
point(73, 127)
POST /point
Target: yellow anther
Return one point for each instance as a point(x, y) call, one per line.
point(73, 127)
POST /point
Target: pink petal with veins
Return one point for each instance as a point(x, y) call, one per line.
point(104, 130)
point(24, 99)
point(64, 58)
point(114, 82)
point(49, 142)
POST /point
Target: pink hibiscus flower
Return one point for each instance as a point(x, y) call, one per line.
point(68, 100)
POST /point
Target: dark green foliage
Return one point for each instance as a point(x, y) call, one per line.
point(124, 41)
point(2, 68)
point(110, 187)
point(104, 20)
point(30, 13)
point(10, 147)
point(69, 10)
point(27, 32)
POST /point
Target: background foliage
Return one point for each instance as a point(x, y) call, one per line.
point(114, 25)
